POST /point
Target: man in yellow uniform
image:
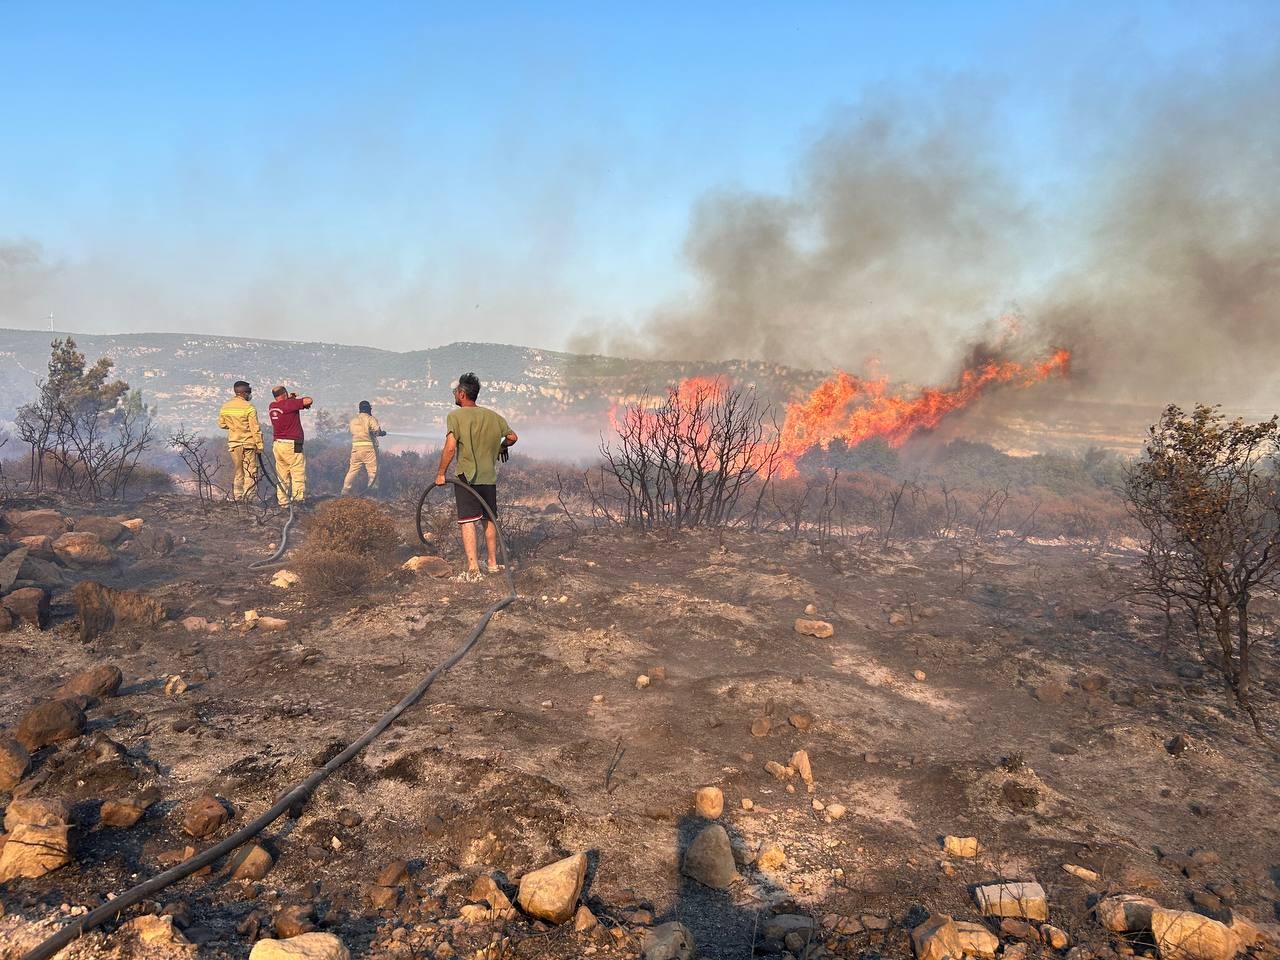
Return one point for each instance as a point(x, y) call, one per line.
point(480, 437)
point(365, 431)
point(244, 439)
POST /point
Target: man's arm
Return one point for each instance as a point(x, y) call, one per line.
point(446, 457)
point(255, 431)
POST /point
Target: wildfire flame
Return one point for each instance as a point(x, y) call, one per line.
point(849, 408)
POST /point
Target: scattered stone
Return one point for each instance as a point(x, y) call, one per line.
point(83, 549)
point(153, 930)
point(801, 721)
point(15, 761)
point(1183, 935)
point(250, 862)
point(104, 528)
point(709, 859)
point(1015, 951)
point(976, 940)
point(1092, 682)
point(669, 941)
point(40, 547)
point(584, 920)
point(133, 525)
point(32, 851)
point(1020, 796)
point(782, 925)
point(551, 892)
point(436, 567)
point(204, 816)
point(1082, 873)
point(305, 946)
point(642, 681)
point(349, 818)
point(747, 803)
point(36, 523)
point(50, 722)
point(99, 682)
point(102, 608)
point(810, 610)
point(1125, 912)
point(771, 857)
point(814, 628)
point(964, 847)
point(272, 623)
point(128, 811)
point(761, 726)
point(776, 770)
point(28, 605)
point(836, 810)
point(897, 618)
point(920, 675)
point(709, 802)
point(10, 566)
point(1178, 744)
point(36, 812)
point(1019, 930)
point(1054, 936)
point(284, 579)
point(194, 624)
point(800, 763)
point(937, 939)
point(175, 686)
point(1024, 900)
point(294, 919)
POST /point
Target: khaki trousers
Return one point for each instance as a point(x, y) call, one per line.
point(362, 455)
point(244, 471)
point(291, 471)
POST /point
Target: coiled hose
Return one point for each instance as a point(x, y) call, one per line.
point(297, 796)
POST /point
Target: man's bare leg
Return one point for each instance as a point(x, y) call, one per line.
point(469, 546)
point(491, 541)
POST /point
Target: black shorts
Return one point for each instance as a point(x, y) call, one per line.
point(469, 509)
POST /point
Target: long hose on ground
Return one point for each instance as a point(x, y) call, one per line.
point(293, 799)
point(288, 523)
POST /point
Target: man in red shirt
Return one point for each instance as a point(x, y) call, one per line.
point(291, 462)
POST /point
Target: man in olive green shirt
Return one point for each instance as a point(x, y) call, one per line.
point(479, 437)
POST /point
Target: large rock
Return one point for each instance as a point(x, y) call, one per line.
point(551, 892)
point(83, 550)
point(814, 628)
point(437, 567)
point(50, 722)
point(36, 523)
point(305, 946)
point(204, 816)
point(250, 862)
point(40, 547)
point(976, 940)
point(102, 608)
point(29, 605)
point(126, 811)
point(1183, 935)
point(14, 762)
point(937, 939)
point(32, 851)
point(709, 859)
point(99, 682)
point(1125, 912)
point(104, 528)
point(1023, 900)
point(709, 802)
point(153, 930)
point(668, 941)
point(36, 812)
point(10, 566)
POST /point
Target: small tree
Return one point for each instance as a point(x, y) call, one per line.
point(1205, 492)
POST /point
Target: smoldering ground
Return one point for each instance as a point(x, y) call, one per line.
point(908, 236)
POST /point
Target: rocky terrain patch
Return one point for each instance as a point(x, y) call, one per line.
point(671, 746)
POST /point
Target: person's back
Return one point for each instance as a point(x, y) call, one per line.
point(365, 431)
point(244, 438)
point(480, 433)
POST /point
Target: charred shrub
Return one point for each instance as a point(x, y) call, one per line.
point(352, 525)
point(328, 572)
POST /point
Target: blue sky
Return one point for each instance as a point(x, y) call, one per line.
point(410, 174)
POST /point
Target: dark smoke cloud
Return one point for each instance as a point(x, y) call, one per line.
point(906, 238)
point(887, 247)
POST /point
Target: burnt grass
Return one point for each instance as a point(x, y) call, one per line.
point(1042, 727)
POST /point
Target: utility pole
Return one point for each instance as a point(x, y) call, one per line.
point(51, 321)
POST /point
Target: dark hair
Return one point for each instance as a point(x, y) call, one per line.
point(366, 406)
point(469, 384)
point(240, 385)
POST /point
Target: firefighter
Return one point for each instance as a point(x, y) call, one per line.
point(291, 462)
point(365, 431)
point(244, 438)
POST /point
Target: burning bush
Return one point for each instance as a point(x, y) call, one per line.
point(352, 525)
point(335, 572)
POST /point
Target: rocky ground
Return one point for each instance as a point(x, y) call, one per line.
point(948, 719)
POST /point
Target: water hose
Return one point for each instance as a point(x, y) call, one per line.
point(297, 796)
point(288, 523)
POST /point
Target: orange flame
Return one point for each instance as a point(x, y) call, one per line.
point(848, 408)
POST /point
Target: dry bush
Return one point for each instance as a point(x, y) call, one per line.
point(352, 525)
point(326, 571)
